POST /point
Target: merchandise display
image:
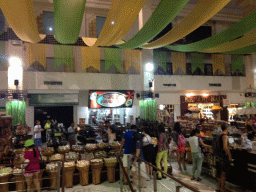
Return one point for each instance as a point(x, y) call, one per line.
point(5, 171)
point(102, 145)
point(51, 167)
point(82, 163)
point(56, 157)
point(17, 171)
point(78, 148)
point(90, 147)
point(71, 156)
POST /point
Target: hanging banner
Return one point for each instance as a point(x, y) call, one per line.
point(160, 58)
point(90, 57)
point(218, 62)
point(178, 61)
point(110, 99)
point(63, 54)
point(132, 59)
point(237, 63)
point(36, 52)
point(197, 61)
point(113, 57)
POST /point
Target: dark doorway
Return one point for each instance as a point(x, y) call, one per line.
point(63, 114)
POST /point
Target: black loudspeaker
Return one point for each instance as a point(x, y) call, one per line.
point(137, 95)
point(150, 84)
point(150, 95)
point(15, 96)
point(157, 95)
point(16, 82)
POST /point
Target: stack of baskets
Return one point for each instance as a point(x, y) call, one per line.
point(83, 168)
point(69, 168)
point(52, 171)
point(96, 166)
point(111, 163)
point(5, 174)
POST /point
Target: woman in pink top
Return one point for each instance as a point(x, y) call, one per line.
point(32, 169)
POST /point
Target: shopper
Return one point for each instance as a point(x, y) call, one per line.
point(32, 169)
point(180, 140)
point(47, 127)
point(225, 158)
point(197, 155)
point(162, 153)
point(148, 151)
point(37, 133)
point(111, 134)
point(72, 134)
point(127, 143)
point(137, 151)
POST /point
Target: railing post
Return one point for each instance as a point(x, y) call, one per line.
point(58, 180)
point(121, 177)
point(139, 177)
point(63, 177)
point(178, 188)
point(155, 181)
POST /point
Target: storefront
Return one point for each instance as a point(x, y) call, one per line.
point(201, 106)
point(115, 106)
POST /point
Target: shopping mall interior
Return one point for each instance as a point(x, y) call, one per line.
point(77, 75)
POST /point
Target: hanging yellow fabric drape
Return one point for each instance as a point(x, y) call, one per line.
point(178, 61)
point(90, 57)
point(132, 58)
point(247, 40)
point(121, 16)
point(21, 18)
point(218, 62)
point(201, 13)
point(36, 52)
point(90, 41)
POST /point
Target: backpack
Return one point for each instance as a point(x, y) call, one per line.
point(217, 146)
point(181, 140)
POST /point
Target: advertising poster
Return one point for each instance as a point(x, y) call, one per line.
point(81, 120)
point(110, 99)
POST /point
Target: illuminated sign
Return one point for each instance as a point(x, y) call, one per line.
point(209, 99)
point(110, 99)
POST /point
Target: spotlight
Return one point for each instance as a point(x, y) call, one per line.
point(112, 22)
point(149, 67)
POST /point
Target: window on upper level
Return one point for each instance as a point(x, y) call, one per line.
point(48, 23)
point(208, 69)
point(188, 69)
point(199, 34)
point(2, 22)
point(169, 70)
point(100, 21)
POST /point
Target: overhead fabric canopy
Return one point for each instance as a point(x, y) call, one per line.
point(21, 18)
point(201, 13)
point(164, 14)
point(90, 57)
point(237, 63)
point(121, 17)
point(68, 16)
point(242, 51)
point(113, 57)
point(237, 30)
point(36, 53)
point(247, 40)
point(197, 61)
point(63, 54)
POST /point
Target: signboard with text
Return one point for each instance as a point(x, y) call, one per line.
point(110, 99)
point(209, 99)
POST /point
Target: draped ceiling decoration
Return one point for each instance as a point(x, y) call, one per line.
point(90, 57)
point(20, 16)
point(36, 52)
point(237, 63)
point(63, 54)
point(201, 13)
point(113, 57)
point(160, 58)
point(178, 61)
point(68, 16)
point(197, 61)
point(218, 63)
point(164, 14)
point(132, 59)
point(121, 17)
point(237, 30)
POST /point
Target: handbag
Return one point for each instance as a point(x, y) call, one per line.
point(203, 150)
point(173, 146)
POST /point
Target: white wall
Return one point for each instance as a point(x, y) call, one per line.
point(3, 80)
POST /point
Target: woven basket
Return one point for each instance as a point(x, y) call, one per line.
point(4, 179)
point(111, 168)
point(69, 174)
point(63, 151)
point(84, 175)
point(20, 182)
point(96, 173)
point(47, 153)
point(115, 146)
point(40, 180)
point(90, 149)
point(53, 175)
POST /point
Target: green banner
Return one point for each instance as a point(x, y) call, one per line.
point(113, 57)
point(53, 99)
point(237, 63)
point(237, 30)
point(197, 61)
point(243, 51)
point(160, 58)
point(148, 110)
point(63, 54)
point(68, 16)
point(17, 109)
point(164, 14)
point(2, 53)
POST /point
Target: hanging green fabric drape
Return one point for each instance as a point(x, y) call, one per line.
point(63, 54)
point(17, 109)
point(240, 28)
point(197, 61)
point(148, 110)
point(237, 63)
point(113, 57)
point(243, 51)
point(164, 14)
point(2, 53)
point(68, 16)
point(203, 11)
point(160, 58)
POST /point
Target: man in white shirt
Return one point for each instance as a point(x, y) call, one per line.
point(37, 133)
point(72, 134)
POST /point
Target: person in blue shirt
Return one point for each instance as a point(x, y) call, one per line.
point(127, 143)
